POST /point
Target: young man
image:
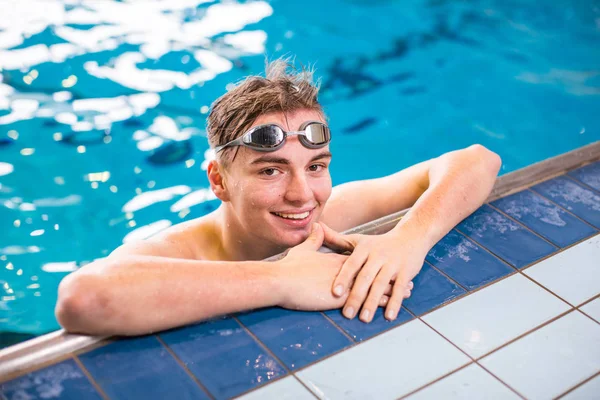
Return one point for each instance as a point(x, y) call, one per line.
point(271, 172)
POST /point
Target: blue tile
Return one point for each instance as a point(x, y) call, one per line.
point(64, 380)
point(504, 237)
point(297, 338)
point(465, 262)
point(545, 218)
point(223, 356)
point(140, 368)
point(361, 331)
point(583, 202)
point(431, 290)
point(590, 175)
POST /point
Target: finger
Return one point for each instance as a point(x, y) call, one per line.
point(361, 287)
point(337, 241)
point(411, 285)
point(407, 294)
point(376, 291)
point(348, 272)
point(384, 300)
point(388, 290)
point(395, 301)
point(314, 241)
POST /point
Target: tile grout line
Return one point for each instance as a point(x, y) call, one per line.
point(92, 380)
point(270, 352)
point(522, 335)
point(577, 217)
point(585, 303)
point(473, 361)
point(436, 380)
point(446, 275)
point(597, 374)
point(578, 308)
point(182, 365)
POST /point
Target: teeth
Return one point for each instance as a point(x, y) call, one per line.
point(293, 216)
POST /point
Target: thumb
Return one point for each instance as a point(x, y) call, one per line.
point(337, 241)
point(314, 241)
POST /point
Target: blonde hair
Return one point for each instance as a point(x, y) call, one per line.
point(284, 89)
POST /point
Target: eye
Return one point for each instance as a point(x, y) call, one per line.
point(317, 167)
point(269, 172)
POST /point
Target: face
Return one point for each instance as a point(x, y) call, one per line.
point(277, 196)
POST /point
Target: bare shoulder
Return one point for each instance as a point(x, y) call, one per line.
point(192, 239)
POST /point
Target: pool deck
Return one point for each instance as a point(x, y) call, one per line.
point(507, 305)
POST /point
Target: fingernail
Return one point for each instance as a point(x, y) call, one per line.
point(349, 312)
point(389, 315)
point(365, 315)
point(338, 290)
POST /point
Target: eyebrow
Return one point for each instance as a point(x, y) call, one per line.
point(285, 161)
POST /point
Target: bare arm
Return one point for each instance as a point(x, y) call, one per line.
point(437, 184)
point(138, 294)
point(151, 286)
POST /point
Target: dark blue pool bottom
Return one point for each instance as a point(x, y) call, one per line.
point(229, 356)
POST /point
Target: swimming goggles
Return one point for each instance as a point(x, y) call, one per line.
point(270, 137)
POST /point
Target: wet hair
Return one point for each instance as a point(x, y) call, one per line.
point(284, 89)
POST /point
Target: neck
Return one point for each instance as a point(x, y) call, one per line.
point(238, 244)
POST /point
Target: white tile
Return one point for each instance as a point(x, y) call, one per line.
point(472, 382)
point(287, 388)
point(385, 367)
point(573, 274)
point(588, 391)
point(592, 309)
point(552, 359)
point(488, 318)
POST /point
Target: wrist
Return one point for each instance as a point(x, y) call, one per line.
point(422, 235)
point(269, 276)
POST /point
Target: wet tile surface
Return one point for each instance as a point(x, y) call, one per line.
point(551, 360)
point(573, 274)
point(297, 338)
point(590, 175)
point(491, 317)
point(431, 290)
point(64, 380)
point(504, 237)
point(386, 367)
point(471, 382)
point(583, 202)
point(223, 356)
point(140, 367)
point(360, 331)
point(545, 218)
point(465, 262)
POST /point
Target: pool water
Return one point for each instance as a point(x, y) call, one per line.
point(103, 107)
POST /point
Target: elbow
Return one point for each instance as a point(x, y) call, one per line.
point(489, 161)
point(80, 307)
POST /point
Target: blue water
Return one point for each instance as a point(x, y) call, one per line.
point(103, 107)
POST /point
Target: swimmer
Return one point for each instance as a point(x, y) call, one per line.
point(270, 170)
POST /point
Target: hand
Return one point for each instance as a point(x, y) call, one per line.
point(376, 260)
point(306, 276)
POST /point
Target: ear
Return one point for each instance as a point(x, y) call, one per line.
point(215, 172)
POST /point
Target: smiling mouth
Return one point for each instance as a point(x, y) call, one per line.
point(293, 216)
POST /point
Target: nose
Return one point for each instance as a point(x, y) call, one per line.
point(298, 189)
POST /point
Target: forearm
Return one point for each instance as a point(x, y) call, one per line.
point(459, 182)
point(141, 294)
